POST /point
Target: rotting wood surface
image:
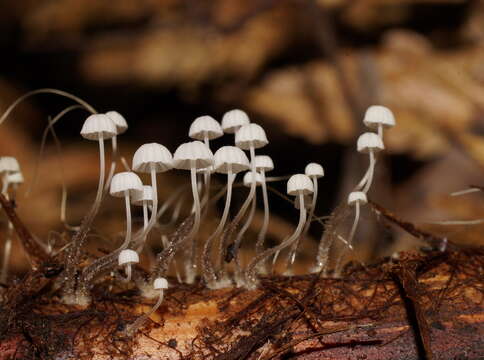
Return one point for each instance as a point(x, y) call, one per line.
point(421, 306)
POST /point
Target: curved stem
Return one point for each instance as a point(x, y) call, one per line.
point(114, 159)
point(132, 328)
point(371, 171)
point(250, 272)
point(261, 237)
point(240, 236)
point(46, 91)
point(190, 263)
point(208, 268)
point(293, 253)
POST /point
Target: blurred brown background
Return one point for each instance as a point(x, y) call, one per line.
point(305, 70)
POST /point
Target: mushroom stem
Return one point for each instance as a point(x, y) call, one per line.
point(238, 241)
point(208, 268)
point(145, 215)
point(114, 159)
point(141, 237)
point(127, 238)
point(250, 272)
point(371, 171)
point(293, 253)
point(242, 209)
point(261, 237)
point(132, 328)
point(128, 272)
point(206, 176)
point(191, 263)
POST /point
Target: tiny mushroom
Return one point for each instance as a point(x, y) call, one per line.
point(8, 165)
point(121, 126)
point(126, 184)
point(192, 156)
point(378, 118)
point(233, 120)
point(369, 143)
point(263, 164)
point(229, 160)
point(126, 258)
point(298, 185)
point(144, 198)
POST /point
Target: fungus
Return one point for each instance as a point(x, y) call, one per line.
point(126, 184)
point(263, 164)
point(144, 198)
point(233, 120)
point(369, 143)
point(315, 171)
point(8, 165)
point(160, 284)
point(378, 118)
point(121, 126)
point(228, 160)
point(152, 158)
point(126, 258)
point(297, 185)
point(192, 156)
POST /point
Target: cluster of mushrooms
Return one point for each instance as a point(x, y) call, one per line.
point(208, 261)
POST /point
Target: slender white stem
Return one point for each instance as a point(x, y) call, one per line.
point(465, 192)
point(208, 268)
point(100, 186)
point(191, 263)
point(145, 215)
point(250, 272)
point(127, 238)
point(380, 131)
point(457, 222)
point(261, 237)
point(114, 157)
point(206, 176)
point(132, 328)
point(355, 224)
point(240, 236)
point(128, 272)
point(5, 185)
point(154, 210)
point(371, 172)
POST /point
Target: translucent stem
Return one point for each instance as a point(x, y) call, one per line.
point(240, 236)
point(128, 272)
point(465, 192)
point(114, 158)
point(337, 267)
point(6, 253)
point(132, 328)
point(261, 237)
point(145, 215)
point(127, 238)
point(371, 171)
point(250, 272)
point(141, 238)
point(208, 268)
point(191, 263)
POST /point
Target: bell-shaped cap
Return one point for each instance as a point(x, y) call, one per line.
point(15, 178)
point(251, 135)
point(299, 184)
point(369, 142)
point(205, 126)
point(233, 120)
point(128, 256)
point(125, 181)
point(119, 121)
point(264, 163)
point(314, 170)
point(377, 115)
point(144, 196)
point(160, 283)
point(192, 154)
point(98, 127)
point(249, 176)
point(9, 164)
point(230, 157)
point(357, 197)
point(152, 155)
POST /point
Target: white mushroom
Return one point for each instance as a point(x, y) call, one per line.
point(8, 165)
point(263, 164)
point(121, 127)
point(369, 143)
point(192, 156)
point(126, 184)
point(228, 160)
point(233, 120)
point(126, 258)
point(378, 118)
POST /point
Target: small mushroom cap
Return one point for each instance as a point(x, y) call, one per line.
point(248, 179)
point(145, 195)
point(205, 126)
point(314, 170)
point(357, 197)
point(194, 152)
point(230, 157)
point(98, 127)
point(128, 256)
point(263, 163)
point(119, 121)
point(9, 164)
point(160, 283)
point(307, 202)
point(125, 181)
point(15, 178)
point(369, 142)
point(299, 183)
point(233, 120)
point(379, 115)
point(152, 154)
point(251, 135)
